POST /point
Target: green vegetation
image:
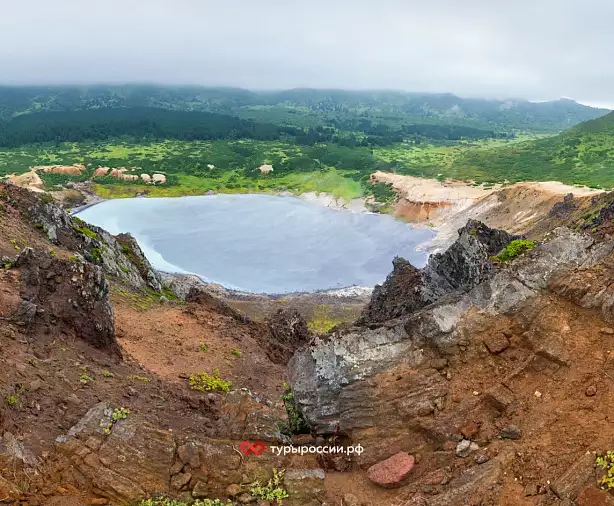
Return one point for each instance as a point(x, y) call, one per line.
point(323, 320)
point(164, 501)
point(236, 352)
point(12, 400)
point(203, 347)
point(272, 491)
point(214, 140)
point(296, 423)
point(205, 382)
point(117, 415)
point(606, 463)
point(304, 107)
point(514, 249)
point(143, 379)
point(85, 379)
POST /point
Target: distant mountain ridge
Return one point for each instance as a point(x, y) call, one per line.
point(306, 107)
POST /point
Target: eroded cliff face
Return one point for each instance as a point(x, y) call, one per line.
point(466, 350)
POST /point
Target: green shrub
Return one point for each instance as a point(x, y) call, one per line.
point(272, 491)
point(236, 352)
point(209, 383)
point(607, 464)
point(296, 423)
point(514, 249)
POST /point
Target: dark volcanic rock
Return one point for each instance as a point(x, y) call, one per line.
point(289, 332)
point(400, 294)
point(463, 266)
point(562, 210)
point(59, 292)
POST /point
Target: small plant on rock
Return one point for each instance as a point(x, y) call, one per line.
point(606, 463)
point(272, 491)
point(514, 249)
point(165, 501)
point(296, 424)
point(85, 379)
point(12, 400)
point(205, 382)
point(117, 415)
point(108, 374)
point(144, 379)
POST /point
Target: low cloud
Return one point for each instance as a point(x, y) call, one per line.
point(537, 49)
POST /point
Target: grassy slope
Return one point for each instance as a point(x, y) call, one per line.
point(235, 164)
point(584, 155)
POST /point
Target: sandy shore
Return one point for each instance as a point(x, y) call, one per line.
point(324, 199)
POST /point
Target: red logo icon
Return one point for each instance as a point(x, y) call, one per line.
point(256, 448)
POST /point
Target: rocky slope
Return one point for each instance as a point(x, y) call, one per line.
point(469, 381)
point(498, 382)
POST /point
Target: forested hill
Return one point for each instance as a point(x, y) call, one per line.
point(139, 123)
point(309, 107)
point(142, 124)
point(583, 155)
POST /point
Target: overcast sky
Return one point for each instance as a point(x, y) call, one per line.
point(536, 49)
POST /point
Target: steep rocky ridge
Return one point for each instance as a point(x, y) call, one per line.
point(519, 349)
point(465, 264)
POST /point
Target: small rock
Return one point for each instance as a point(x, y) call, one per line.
point(531, 489)
point(176, 468)
point(592, 496)
point(99, 500)
point(465, 447)
point(510, 432)
point(470, 430)
point(435, 478)
point(439, 363)
point(245, 498)
point(608, 331)
point(591, 391)
point(496, 343)
point(481, 458)
point(233, 490)
point(188, 454)
point(180, 480)
point(391, 472)
point(201, 490)
point(537, 394)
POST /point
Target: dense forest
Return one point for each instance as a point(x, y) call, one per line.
point(155, 124)
point(308, 107)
